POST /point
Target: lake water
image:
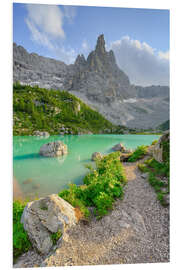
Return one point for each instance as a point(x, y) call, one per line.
point(40, 176)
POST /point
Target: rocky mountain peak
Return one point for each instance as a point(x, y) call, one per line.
point(99, 82)
point(100, 46)
point(80, 60)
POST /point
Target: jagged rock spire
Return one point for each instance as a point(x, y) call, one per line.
point(80, 60)
point(100, 46)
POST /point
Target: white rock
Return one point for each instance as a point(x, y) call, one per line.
point(53, 149)
point(45, 216)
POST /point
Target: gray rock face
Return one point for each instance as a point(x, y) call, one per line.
point(53, 149)
point(96, 155)
point(46, 216)
point(157, 149)
point(99, 82)
point(99, 76)
point(32, 69)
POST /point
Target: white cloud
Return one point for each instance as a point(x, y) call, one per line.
point(142, 63)
point(66, 55)
point(85, 45)
point(163, 55)
point(38, 36)
point(69, 13)
point(47, 19)
point(45, 23)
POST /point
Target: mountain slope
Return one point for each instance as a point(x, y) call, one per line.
point(164, 126)
point(99, 82)
point(53, 111)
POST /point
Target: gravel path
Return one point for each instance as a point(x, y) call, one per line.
point(136, 231)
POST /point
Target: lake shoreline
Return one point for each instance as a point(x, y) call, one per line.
point(58, 172)
point(142, 219)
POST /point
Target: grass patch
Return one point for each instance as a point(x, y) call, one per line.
point(160, 169)
point(56, 236)
point(21, 241)
point(143, 168)
point(154, 142)
point(101, 187)
point(156, 171)
point(139, 153)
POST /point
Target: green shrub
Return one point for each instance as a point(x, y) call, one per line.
point(55, 236)
point(101, 187)
point(21, 242)
point(139, 153)
point(143, 168)
point(160, 197)
point(154, 142)
point(103, 202)
point(154, 181)
point(73, 195)
point(158, 168)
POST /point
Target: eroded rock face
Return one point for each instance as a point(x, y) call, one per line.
point(53, 149)
point(157, 150)
point(99, 76)
point(43, 217)
point(96, 155)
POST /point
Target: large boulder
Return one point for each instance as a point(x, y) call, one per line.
point(160, 151)
point(120, 147)
point(124, 157)
point(47, 216)
point(96, 155)
point(53, 149)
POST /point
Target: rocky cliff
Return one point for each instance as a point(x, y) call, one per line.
point(99, 82)
point(99, 77)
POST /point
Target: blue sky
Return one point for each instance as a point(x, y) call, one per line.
point(138, 37)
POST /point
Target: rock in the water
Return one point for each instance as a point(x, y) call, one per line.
point(28, 181)
point(119, 147)
point(36, 186)
point(45, 216)
point(96, 155)
point(53, 149)
point(41, 133)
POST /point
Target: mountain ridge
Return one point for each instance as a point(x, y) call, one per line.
point(99, 82)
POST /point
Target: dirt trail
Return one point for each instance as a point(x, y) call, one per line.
point(136, 231)
point(130, 171)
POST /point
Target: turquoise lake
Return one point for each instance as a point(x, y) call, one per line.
point(50, 175)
